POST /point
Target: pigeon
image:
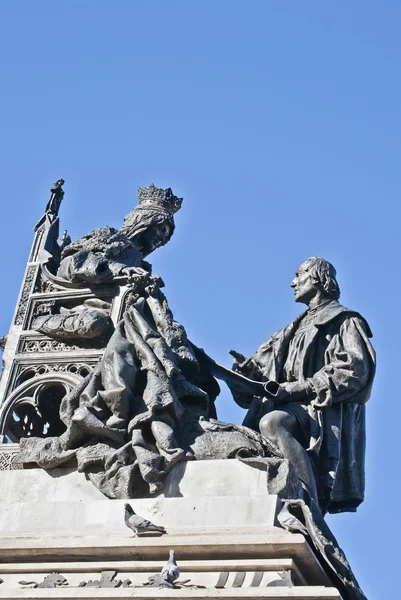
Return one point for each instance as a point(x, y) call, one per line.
point(139, 525)
point(157, 581)
point(290, 522)
point(215, 425)
point(171, 571)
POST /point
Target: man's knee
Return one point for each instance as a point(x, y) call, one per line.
point(274, 423)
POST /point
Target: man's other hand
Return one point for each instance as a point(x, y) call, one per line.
point(293, 391)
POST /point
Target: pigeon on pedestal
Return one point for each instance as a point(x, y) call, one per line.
point(290, 522)
point(171, 571)
point(139, 525)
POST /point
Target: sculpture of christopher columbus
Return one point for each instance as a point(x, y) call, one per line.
point(324, 364)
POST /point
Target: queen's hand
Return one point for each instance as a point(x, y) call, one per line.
point(132, 272)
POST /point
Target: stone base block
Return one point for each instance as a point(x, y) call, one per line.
point(221, 493)
point(232, 563)
point(304, 593)
point(57, 529)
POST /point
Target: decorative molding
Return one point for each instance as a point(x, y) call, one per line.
point(43, 345)
point(37, 242)
point(9, 454)
point(26, 372)
point(27, 397)
point(29, 366)
point(53, 580)
point(42, 308)
point(37, 343)
point(45, 286)
point(26, 292)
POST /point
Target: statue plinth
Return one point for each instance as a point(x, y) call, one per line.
point(220, 519)
point(214, 493)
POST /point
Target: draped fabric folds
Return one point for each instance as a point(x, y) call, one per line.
point(121, 421)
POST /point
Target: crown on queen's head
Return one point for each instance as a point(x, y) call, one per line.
point(154, 197)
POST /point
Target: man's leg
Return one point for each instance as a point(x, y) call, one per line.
point(282, 428)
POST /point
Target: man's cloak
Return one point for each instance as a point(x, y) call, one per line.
point(339, 362)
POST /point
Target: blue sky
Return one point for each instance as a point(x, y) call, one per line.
point(278, 122)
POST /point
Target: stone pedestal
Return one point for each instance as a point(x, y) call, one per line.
point(219, 517)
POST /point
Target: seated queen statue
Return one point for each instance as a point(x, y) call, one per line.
point(148, 402)
point(105, 253)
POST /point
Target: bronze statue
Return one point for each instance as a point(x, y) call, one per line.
point(57, 194)
point(324, 364)
point(147, 403)
point(64, 241)
point(105, 253)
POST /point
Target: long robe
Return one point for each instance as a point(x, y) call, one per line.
point(339, 362)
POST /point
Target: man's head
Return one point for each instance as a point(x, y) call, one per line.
point(315, 277)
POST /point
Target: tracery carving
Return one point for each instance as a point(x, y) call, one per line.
point(9, 459)
point(32, 410)
point(26, 291)
point(44, 285)
point(38, 415)
point(47, 346)
point(77, 368)
point(42, 308)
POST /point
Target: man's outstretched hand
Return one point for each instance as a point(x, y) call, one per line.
point(293, 391)
point(239, 359)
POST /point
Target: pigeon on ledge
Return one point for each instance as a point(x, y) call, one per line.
point(290, 521)
point(139, 525)
point(171, 571)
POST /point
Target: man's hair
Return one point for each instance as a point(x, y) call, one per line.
point(325, 275)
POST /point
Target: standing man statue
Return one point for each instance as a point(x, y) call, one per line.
point(57, 194)
point(324, 364)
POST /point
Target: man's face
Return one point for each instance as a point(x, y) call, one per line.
point(303, 285)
